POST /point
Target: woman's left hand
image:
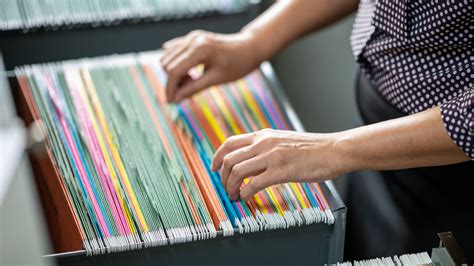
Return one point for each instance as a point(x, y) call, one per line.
point(271, 157)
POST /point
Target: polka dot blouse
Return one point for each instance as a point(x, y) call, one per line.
point(419, 54)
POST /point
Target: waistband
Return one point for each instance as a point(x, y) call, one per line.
point(372, 106)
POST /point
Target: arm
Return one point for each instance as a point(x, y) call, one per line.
point(417, 140)
point(229, 57)
point(272, 157)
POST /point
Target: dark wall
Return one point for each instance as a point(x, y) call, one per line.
point(45, 45)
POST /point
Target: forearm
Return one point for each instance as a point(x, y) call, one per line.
point(278, 156)
point(413, 141)
point(287, 21)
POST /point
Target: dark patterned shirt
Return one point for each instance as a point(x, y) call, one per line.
point(419, 54)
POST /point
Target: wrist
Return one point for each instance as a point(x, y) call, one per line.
point(257, 42)
point(347, 152)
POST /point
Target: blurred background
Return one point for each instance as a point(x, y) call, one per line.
point(318, 74)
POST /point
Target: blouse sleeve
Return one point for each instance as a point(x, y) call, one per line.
point(458, 118)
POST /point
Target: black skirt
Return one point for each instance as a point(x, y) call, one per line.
point(397, 212)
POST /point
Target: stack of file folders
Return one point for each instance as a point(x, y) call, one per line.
point(403, 260)
point(31, 14)
point(128, 171)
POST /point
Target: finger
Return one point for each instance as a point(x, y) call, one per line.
point(172, 53)
point(178, 69)
point(256, 184)
point(176, 49)
point(231, 144)
point(232, 159)
point(186, 37)
point(242, 170)
point(172, 42)
point(191, 86)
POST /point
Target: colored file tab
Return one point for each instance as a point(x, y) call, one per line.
point(136, 169)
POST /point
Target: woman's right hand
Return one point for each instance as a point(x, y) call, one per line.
point(225, 58)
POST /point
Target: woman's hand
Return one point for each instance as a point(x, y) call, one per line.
point(229, 57)
point(225, 58)
point(271, 157)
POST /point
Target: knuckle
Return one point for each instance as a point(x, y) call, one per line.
point(264, 141)
point(265, 136)
point(231, 138)
point(258, 144)
point(202, 42)
point(267, 132)
point(261, 132)
point(273, 140)
point(192, 35)
point(196, 32)
point(224, 149)
point(249, 150)
point(261, 145)
point(226, 161)
point(235, 172)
